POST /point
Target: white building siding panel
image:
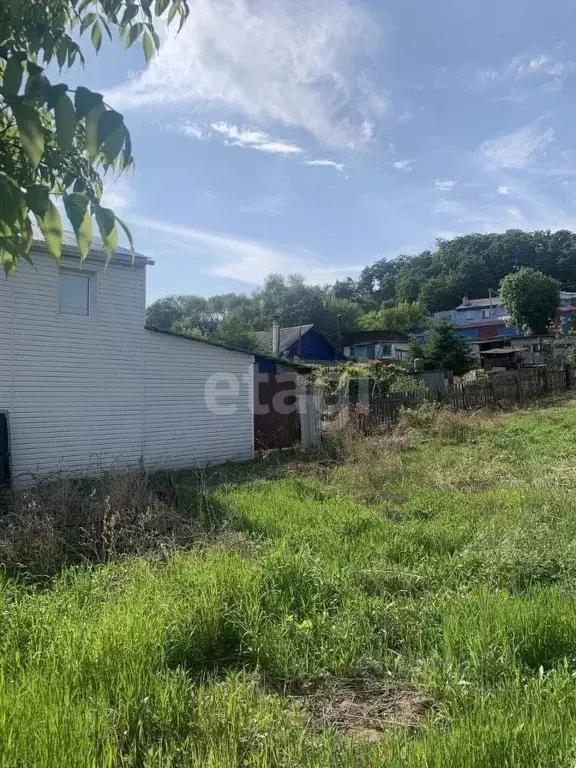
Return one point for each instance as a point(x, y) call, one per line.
point(77, 385)
point(181, 430)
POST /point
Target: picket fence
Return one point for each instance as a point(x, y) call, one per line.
point(504, 388)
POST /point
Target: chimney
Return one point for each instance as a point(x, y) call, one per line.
point(275, 337)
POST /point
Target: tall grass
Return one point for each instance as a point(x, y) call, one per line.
point(443, 557)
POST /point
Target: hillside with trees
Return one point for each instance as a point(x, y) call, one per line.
point(396, 293)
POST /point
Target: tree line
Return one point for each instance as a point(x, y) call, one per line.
point(391, 294)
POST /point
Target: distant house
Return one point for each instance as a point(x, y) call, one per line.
point(307, 342)
point(375, 345)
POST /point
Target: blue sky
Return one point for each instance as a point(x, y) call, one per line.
point(316, 136)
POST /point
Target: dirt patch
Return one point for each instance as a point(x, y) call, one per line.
point(363, 708)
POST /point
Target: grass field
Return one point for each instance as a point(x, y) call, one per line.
point(409, 603)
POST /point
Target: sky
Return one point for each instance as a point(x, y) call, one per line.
point(317, 136)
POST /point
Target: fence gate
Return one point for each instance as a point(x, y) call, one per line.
point(4, 451)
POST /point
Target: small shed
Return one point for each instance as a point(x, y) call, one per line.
point(502, 358)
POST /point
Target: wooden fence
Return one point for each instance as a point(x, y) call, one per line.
point(506, 388)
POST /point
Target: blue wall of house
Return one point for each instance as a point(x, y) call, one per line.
point(475, 314)
point(313, 346)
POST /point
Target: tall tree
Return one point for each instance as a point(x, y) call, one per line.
point(531, 298)
point(55, 141)
point(404, 316)
point(445, 350)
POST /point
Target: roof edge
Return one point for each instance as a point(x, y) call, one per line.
point(228, 347)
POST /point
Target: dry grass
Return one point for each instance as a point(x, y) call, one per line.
point(363, 708)
point(53, 525)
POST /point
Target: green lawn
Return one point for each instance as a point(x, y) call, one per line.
point(441, 562)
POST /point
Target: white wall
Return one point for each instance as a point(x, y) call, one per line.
point(180, 428)
point(73, 386)
point(87, 393)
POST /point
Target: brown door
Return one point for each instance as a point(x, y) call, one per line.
point(275, 413)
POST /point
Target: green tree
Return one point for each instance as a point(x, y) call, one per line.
point(445, 350)
point(55, 141)
point(404, 316)
point(531, 298)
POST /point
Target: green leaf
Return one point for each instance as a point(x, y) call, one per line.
point(13, 75)
point(34, 69)
point(89, 19)
point(30, 131)
point(161, 6)
point(85, 100)
point(61, 54)
point(8, 262)
point(148, 46)
point(127, 153)
point(77, 209)
point(65, 122)
point(38, 198)
point(54, 93)
point(134, 32)
point(128, 235)
point(109, 121)
point(174, 8)
point(12, 201)
point(114, 144)
point(96, 36)
point(107, 225)
point(92, 120)
point(50, 225)
point(130, 13)
point(36, 87)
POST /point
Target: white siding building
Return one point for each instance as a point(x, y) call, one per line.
point(85, 386)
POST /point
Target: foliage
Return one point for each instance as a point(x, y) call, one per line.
point(446, 563)
point(388, 377)
point(289, 299)
point(404, 317)
point(467, 265)
point(444, 350)
point(55, 141)
point(392, 294)
point(531, 298)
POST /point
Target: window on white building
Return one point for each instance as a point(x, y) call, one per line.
point(485, 314)
point(74, 294)
point(470, 314)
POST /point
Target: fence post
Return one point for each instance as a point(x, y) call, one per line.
point(518, 386)
point(568, 375)
point(545, 381)
point(309, 417)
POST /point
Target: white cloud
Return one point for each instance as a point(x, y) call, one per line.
point(503, 190)
point(118, 193)
point(297, 62)
point(515, 150)
point(247, 260)
point(448, 206)
point(193, 130)
point(244, 137)
point(326, 164)
point(404, 165)
point(445, 186)
point(526, 65)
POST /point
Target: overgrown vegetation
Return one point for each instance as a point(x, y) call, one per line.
point(402, 600)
